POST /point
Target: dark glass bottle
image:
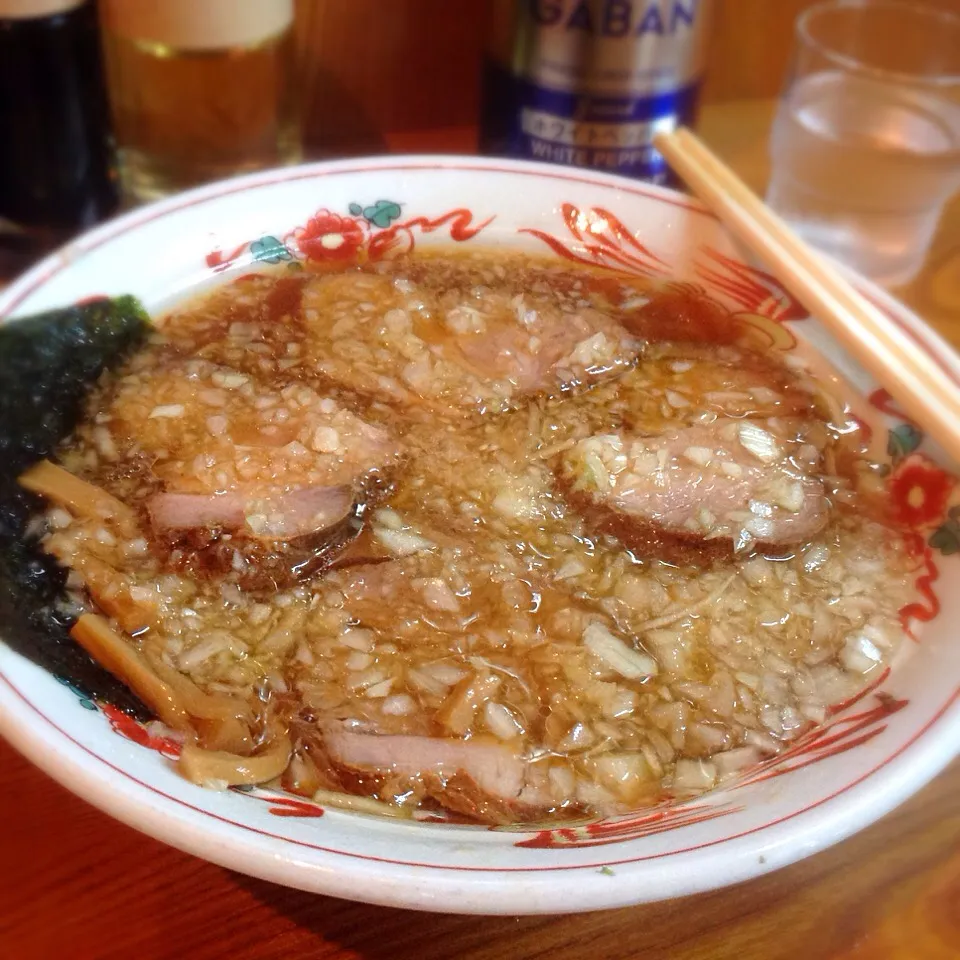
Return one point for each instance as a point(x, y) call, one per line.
point(57, 170)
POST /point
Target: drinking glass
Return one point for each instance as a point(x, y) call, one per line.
point(200, 89)
point(866, 141)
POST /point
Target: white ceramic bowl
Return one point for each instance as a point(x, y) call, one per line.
point(875, 752)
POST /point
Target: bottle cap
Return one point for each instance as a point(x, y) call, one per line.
point(198, 24)
point(34, 9)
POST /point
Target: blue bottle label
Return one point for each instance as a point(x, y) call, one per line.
point(589, 82)
point(606, 133)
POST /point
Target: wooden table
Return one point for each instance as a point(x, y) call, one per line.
point(74, 883)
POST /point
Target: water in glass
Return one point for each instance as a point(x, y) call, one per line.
point(861, 167)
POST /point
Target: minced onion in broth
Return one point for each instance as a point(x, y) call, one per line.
point(476, 610)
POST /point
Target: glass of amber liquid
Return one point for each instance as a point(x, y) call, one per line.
point(200, 89)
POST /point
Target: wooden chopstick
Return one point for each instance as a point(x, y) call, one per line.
point(921, 387)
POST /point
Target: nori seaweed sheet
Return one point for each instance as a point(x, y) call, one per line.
point(48, 364)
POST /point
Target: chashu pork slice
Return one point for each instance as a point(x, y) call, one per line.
point(454, 350)
point(247, 470)
point(697, 493)
point(478, 779)
point(259, 514)
point(494, 768)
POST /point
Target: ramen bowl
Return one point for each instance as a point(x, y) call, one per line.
point(871, 753)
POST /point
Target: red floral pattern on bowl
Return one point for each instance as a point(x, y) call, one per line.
point(327, 236)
